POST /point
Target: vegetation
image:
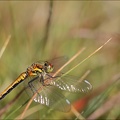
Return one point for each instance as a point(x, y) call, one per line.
point(41, 30)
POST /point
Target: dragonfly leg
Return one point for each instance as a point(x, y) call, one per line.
point(49, 78)
point(31, 86)
point(42, 80)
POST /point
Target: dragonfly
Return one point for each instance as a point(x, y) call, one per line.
point(40, 76)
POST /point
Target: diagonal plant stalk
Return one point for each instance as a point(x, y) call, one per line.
point(30, 111)
point(88, 56)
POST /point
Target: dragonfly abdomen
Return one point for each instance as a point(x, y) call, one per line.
point(21, 78)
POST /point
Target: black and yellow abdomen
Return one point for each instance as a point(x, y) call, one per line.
point(21, 78)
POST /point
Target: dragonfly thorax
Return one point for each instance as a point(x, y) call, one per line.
point(34, 69)
point(37, 68)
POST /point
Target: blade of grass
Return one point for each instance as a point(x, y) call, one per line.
point(104, 86)
point(4, 46)
point(98, 91)
point(108, 105)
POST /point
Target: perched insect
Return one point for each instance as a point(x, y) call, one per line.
point(39, 76)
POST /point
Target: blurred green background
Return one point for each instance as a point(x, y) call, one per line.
point(43, 30)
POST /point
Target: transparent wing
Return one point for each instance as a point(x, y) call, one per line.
point(56, 62)
point(71, 84)
point(49, 96)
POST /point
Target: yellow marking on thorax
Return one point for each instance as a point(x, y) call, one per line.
point(34, 71)
point(38, 69)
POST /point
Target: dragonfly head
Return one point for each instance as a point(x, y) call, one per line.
point(48, 67)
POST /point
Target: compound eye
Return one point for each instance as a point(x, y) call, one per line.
point(46, 64)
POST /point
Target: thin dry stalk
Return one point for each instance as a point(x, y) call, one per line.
point(89, 56)
point(48, 23)
point(30, 111)
point(4, 46)
point(77, 114)
point(84, 75)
